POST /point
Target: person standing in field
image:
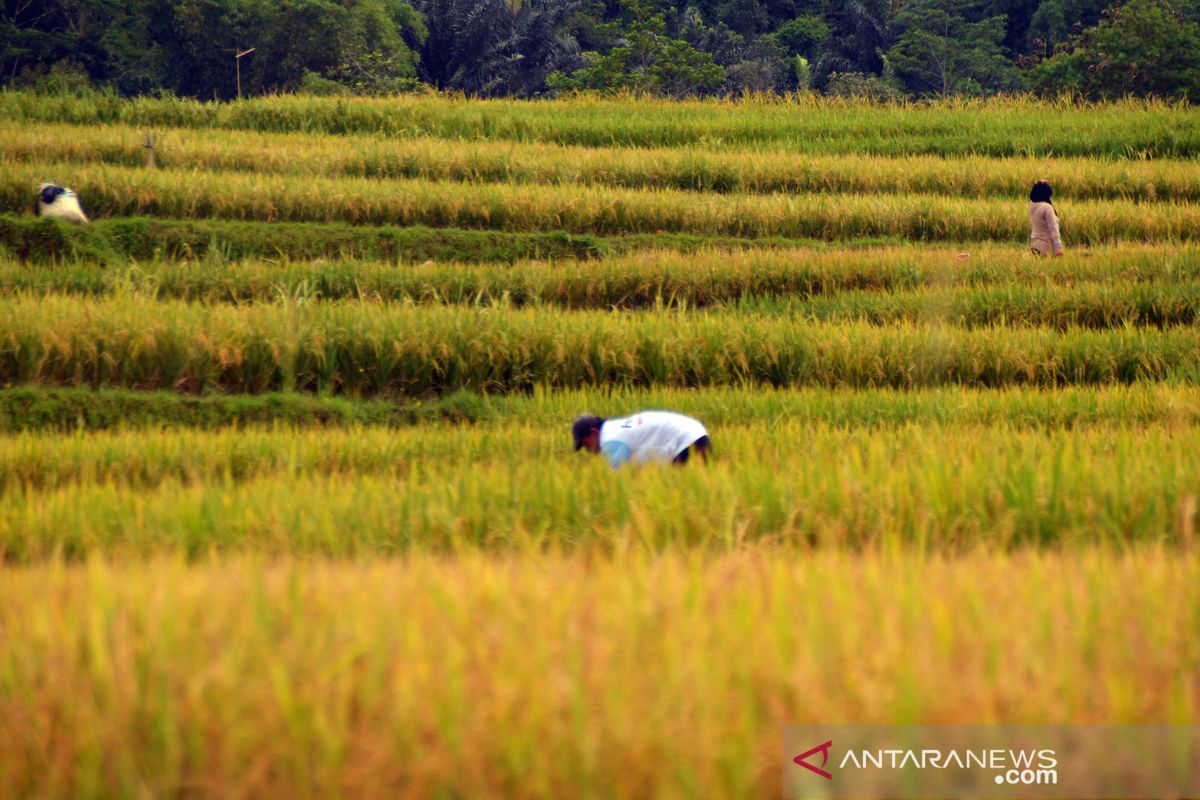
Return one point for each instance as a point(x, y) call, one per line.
point(660, 436)
point(1045, 238)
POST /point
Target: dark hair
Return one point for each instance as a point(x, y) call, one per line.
point(1040, 193)
point(583, 426)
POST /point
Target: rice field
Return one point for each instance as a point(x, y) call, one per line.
point(152, 663)
point(996, 128)
point(761, 170)
point(369, 493)
point(515, 207)
point(288, 504)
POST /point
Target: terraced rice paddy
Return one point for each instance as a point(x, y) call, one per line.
point(289, 503)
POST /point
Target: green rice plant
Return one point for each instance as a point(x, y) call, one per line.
point(705, 277)
point(788, 290)
point(118, 241)
point(29, 408)
point(367, 492)
point(1108, 305)
point(1005, 127)
point(1069, 407)
point(37, 408)
point(123, 191)
point(690, 168)
point(151, 457)
point(363, 349)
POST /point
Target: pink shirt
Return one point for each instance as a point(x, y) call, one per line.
point(1044, 222)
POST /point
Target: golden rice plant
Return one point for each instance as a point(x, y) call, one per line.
point(655, 277)
point(365, 349)
point(123, 191)
point(756, 171)
point(551, 676)
point(440, 488)
point(801, 291)
point(996, 127)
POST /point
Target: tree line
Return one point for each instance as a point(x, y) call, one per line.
point(883, 49)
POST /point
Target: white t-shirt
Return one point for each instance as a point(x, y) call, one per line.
point(648, 436)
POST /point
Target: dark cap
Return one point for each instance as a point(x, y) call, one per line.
point(583, 425)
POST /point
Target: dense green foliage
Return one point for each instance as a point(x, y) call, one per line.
point(940, 52)
point(668, 47)
point(1145, 47)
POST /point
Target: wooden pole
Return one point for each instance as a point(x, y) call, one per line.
point(238, 58)
point(149, 145)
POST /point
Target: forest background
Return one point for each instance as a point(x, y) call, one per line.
point(882, 49)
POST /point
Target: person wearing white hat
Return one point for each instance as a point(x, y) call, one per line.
point(60, 203)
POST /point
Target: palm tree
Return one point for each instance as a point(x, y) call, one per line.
point(860, 33)
point(496, 47)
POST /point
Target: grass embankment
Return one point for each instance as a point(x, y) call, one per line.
point(61, 149)
point(118, 241)
point(32, 408)
point(184, 194)
point(35, 408)
point(552, 677)
point(1005, 127)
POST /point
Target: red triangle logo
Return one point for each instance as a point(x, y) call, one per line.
point(823, 749)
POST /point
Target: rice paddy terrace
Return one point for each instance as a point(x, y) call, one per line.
point(287, 499)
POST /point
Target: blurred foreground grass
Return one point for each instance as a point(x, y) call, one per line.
point(666, 676)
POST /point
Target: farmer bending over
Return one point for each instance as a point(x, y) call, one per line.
point(647, 436)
